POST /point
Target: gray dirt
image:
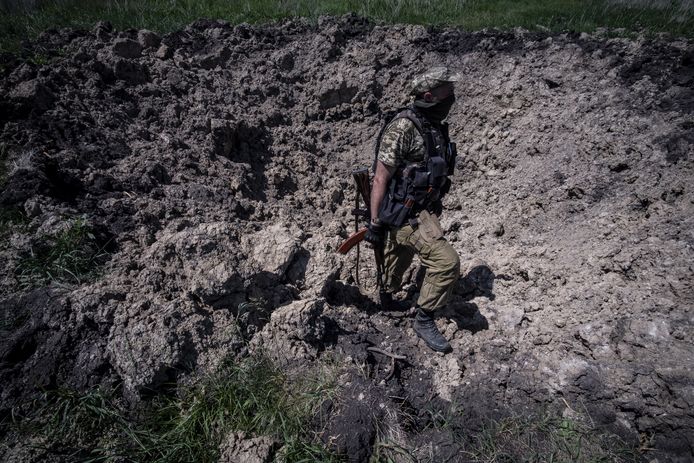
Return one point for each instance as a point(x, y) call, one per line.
point(214, 164)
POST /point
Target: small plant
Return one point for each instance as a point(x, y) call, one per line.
point(252, 395)
point(88, 426)
point(71, 256)
point(9, 218)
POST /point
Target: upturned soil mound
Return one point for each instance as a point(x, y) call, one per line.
point(211, 168)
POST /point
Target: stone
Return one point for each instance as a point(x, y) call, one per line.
point(148, 39)
point(237, 447)
point(274, 248)
point(32, 94)
point(295, 332)
point(164, 52)
point(126, 48)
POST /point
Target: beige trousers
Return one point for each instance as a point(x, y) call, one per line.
point(437, 256)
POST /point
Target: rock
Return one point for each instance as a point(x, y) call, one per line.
point(295, 332)
point(335, 94)
point(130, 71)
point(32, 207)
point(126, 48)
point(236, 447)
point(164, 52)
point(32, 94)
point(447, 377)
point(146, 352)
point(499, 230)
point(224, 136)
point(148, 39)
point(274, 248)
point(284, 60)
point(102, 30)
point(510, 318)
point(213, 59)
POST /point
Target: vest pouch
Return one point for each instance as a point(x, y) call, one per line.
point(429, 227)
point(394, 213)
point(438, 167)
point(420, 179)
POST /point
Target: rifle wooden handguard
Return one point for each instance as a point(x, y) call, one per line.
point(352, 241)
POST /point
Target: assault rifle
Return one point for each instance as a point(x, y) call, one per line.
point(363, 186)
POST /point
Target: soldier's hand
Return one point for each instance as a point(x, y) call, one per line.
point(375, 235)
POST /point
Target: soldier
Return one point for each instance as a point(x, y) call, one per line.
point(413, 162)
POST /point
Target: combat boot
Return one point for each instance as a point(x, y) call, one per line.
point(390, 304)
point(425, 327)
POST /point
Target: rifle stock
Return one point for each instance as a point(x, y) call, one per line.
point(354, 239)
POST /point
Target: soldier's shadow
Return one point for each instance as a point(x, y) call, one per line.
point(477, 282)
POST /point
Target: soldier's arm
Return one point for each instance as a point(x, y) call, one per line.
point(396, 144)
point(381, 178)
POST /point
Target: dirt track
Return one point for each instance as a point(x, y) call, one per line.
point(216, 165)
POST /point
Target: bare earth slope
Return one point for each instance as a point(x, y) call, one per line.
point(214, 166)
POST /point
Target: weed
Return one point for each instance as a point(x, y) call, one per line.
point(252, 395)
point(39, 59)
point(71, 256)
point(443, 417)
point(11, 217)
point(388, 451)
point(546, 437)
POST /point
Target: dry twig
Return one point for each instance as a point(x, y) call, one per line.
point(393, 358)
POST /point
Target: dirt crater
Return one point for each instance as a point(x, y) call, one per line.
point(217, 160)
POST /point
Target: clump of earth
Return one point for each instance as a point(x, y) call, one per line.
point(213, 164)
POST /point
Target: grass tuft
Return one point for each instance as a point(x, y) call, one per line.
point(251, 395)
point(72, 256)
point(538, 439)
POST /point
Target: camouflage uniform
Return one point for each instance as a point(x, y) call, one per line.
point(402, 144)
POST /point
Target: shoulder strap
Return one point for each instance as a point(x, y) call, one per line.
point(420, 123)
point(424, 128)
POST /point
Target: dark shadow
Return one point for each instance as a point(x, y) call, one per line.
point(339, 293)
point(296, 271)
point(333, 331)
point(243, 143)
point(479, 282)
point(466, 315)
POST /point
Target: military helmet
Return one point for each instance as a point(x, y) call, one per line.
point(433, 78)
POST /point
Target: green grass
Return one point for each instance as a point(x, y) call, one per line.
point(547, 437)
point(168, 15)
point(72, 256)
point(539, 438)
point(252, 395)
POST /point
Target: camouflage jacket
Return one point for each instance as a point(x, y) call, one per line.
point(401, 144)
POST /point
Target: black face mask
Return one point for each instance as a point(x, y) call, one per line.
point(440, 110)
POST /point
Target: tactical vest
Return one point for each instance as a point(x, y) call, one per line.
point(418, 185)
